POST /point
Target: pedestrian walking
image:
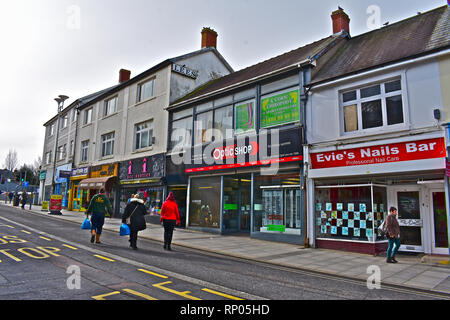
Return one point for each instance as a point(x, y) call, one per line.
point(134, 213)
point(170, 217)
point(31, 199)
point(11, 195)
point(393, 235)
point(98, 206)
point(24, 199)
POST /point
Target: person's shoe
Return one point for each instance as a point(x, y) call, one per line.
point(389, 260)
point(134, 247)
point(169, 248)
point(393, 260)
point(97, 238)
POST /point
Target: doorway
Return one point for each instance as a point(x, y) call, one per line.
point(408, 200)
point(439, 223)
point(236, 207)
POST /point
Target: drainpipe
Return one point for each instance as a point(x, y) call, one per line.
point(305, 78)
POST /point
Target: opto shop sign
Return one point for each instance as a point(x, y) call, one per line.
point(405, 151)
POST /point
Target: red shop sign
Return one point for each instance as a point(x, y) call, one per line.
point(396, 152)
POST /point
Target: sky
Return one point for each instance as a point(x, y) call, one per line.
point(77, 47)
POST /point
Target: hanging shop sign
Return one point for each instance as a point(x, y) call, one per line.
point(388, 153)
point(272, 147)
point(280, 109)
point(142, 168)
point(106, 170)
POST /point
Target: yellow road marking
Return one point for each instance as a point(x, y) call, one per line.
point(45, 238)
point(153, 273)
point(70, 247)
point(9, 255)
point(104, 258)
point(222, 294)
point(27, 232)
point(184, 294)
point(145, 296)
point(103, 296)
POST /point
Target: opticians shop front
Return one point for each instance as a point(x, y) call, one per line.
point(351, 189)
point(248, 187)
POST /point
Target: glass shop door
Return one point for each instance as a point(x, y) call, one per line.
point(439, 223)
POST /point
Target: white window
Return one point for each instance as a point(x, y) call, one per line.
point(110, 106)
point(74, 115)
point(145, 90)
point(48, 157)
point(143, 135)
point(64, 121)
point(61, 153)
point(84, 151)
point(71, 148)
point(87, 116)
point(375, 106)
point(108, 144)
point(51, 129)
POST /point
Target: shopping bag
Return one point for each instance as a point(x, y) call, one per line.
point(86, 224)
point(124, 230)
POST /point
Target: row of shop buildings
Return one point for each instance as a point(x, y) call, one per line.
point(310, 147)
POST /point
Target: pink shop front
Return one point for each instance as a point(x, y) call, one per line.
point(351, 190)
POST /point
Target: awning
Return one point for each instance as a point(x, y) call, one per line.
point(98, 183)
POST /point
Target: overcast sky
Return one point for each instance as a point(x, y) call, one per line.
point(76, 47)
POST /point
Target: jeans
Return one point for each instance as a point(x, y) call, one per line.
point(392, 242)
point(97, 222)
point(169, 225)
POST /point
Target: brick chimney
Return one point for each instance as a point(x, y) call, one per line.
point(209, 38)
point(124, 75)
point(341, 21)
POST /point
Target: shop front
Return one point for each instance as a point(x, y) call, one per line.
point(351, 190)
point(101, 177)
point(177, 183)
point(78, 197)
point(251, 186)
point(144, 176)
point(62, 183)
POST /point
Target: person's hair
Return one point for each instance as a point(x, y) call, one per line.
point(392, 209)
point(102, 190)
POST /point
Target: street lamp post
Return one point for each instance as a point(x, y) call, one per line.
point(60, 100)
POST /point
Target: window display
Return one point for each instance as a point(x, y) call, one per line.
point(350, 212)
point(204, 204)
point(277, 203)
point(152, 196)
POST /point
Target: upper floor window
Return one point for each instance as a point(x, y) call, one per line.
point(74, 115)
point(64, 121)
point(108, 144)
point(61, 152)
point(51, 130)
point(84, 150)
point(376, 106)
point(145, 90)
point(110, 106)
point(48, 157)
point(143, 135)
point(181, 131)
point(87, 116)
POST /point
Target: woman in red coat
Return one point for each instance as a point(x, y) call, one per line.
point(170, 217)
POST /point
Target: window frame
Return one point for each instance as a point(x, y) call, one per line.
point(84, 151)
point(105, 141)
point(150, 136)
point(106, 106)
point(87, 116)
point(383, 97)
point(139, 97)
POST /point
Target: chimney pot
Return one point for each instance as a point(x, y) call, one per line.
point(341, 21)
point(209, 38)
point(124, 75)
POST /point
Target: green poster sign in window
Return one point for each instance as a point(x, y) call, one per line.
point(280, 109)
point(245, 117)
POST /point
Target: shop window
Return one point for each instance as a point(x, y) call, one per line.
point(152, 196)
point(377, 106)
point(277, 203)
point(180, 137)
point(204, 204)
point(203, 126)
point(350, 212)
point(245, 117)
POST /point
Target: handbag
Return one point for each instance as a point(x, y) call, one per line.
point(128, 220)
point(86, 225)
point(124, 230)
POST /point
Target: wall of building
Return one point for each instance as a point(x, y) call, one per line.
point(444, 71)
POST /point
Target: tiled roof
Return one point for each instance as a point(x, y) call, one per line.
point(415, 36)
point(266, 67)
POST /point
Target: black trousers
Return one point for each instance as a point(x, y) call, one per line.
point(169, 225)
point(133, 238)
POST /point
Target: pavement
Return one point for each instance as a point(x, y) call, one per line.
point(424, 272)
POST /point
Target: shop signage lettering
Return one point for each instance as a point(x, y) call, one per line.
point(280, 109)
point(405, 151)
point(104, 171)
point(234, 151)
point(141, 168)
point(185, 71)
point(80, 171)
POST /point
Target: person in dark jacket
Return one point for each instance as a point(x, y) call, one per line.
point(98, 206)
point(135, 210)
point(170, 217)
point(393, 234)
